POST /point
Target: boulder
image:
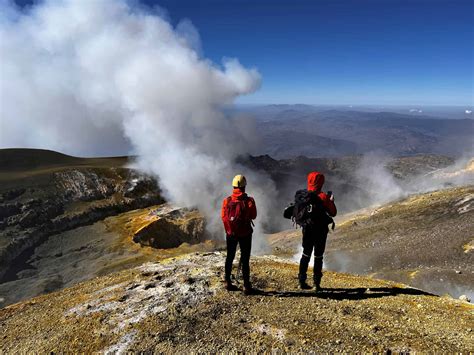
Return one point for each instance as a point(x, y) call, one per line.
point(169, 227)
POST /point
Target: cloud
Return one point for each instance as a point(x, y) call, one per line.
point(98, 77)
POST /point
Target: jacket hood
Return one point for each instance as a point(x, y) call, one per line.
point(238, 194)
point(315, 181)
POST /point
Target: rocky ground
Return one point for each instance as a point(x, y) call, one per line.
point(179, 305)
point(425, 241)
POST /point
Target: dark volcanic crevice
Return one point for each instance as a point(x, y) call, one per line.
point(20, 263)
point(20, 253)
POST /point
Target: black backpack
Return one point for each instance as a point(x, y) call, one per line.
point(307, 209)
point(302, 210)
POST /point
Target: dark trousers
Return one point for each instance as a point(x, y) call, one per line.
point(314, 237)
point(245, 248)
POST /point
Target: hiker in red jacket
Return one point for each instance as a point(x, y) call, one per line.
point(315, 233)
point(238, 211)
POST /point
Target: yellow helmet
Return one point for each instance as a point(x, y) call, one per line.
point(239, 181)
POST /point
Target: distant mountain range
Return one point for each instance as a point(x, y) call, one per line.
point(291, 130)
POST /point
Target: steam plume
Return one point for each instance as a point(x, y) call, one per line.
point(94, 77)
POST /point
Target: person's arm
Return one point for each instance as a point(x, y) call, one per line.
point(252, 208)
point(328, 204)
point(224, 204)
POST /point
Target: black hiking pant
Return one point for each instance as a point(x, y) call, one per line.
point(245, 249)
point(314, 237)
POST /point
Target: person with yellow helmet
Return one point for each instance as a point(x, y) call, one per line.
point(238, 211)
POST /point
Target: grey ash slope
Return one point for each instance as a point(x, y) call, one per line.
point(425, 240)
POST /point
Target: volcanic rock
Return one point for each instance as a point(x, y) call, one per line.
point(168, 227)
point(133, 310)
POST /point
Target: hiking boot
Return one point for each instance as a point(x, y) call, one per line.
point(229, 286)
point(248, 290)
point(317, 286)
point(305, 286)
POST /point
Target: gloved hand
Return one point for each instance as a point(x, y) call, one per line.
point(331, 196)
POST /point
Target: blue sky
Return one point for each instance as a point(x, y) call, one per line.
point(342, 51)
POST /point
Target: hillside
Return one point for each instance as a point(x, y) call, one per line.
point(356, 181)
point(288, 131)
point(76, 232)
point(425, 240)
point(24, 162)
point(179, 305)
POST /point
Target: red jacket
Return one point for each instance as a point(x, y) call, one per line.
point(315, 183)
point(251, 208)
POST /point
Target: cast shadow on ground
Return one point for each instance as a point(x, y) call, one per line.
point(359, 293)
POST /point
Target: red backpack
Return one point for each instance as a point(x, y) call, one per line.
point(235, 218)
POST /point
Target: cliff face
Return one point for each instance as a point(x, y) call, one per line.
point(73, 197)
point(179, 305)
point(168, 227)
point(52, 209)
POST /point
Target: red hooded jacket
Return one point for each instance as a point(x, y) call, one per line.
point(251, 208)
point(315, 183)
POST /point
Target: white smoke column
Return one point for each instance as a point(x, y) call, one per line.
point(87, 77)
point(376, 179)
point(382, 187)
